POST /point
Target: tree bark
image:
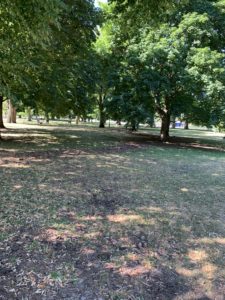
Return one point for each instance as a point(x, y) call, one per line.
point(29, 115)
point(11, 115)
point(134, 125)
point(46, 118)
point(77, 120)
point(186, 125)
point(165, 127)
point(1, 113)
point(102, 118)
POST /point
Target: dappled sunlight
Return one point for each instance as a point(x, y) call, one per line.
point(54, 235)
point(18, 187)
point(40, 160)
point(87, 251)
point(209, 270)
point(134, 271)
point(119, 222)
point(185, 190)
point(187, 272)
point(92, 235)
point(186, 229)
point(110, 266)
point(133, 256)
point(197, 255)
point(91, 218)
point(122, 218)
point(14, 166)
point(211, 241)
point(42, 186)
point(203, 271)
point(151, 209)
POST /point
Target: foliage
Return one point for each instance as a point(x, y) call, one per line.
point(23, 26)
point(179, 67)
point(49, 60)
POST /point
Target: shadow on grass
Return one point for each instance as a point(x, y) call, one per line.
point(82, 224)
point(113, 256)
point(52, 138)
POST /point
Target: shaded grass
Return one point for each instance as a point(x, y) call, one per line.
point(142, 222)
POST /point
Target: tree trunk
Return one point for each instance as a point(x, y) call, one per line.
point(165, 127)
point(102, 118)
point(46, 118)
point(29, 115)
point(186, 125)
point(1, 113)
point(173, 122)
point(134, 125)
point(77, 120)
point(11, 115)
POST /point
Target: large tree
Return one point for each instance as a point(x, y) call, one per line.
point(23, 25)
point(180, 62)
point(65, 75)
point(104, 66)
point(49, 63)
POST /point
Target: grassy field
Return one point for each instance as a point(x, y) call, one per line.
point(104, 214)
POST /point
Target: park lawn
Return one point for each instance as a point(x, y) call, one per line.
point(102, 214)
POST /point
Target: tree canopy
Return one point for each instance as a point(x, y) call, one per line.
point(132, 59)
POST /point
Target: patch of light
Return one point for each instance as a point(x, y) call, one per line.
point(97, 2)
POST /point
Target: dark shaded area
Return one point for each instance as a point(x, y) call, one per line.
point(105, 140)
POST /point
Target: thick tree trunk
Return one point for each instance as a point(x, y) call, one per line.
point(1, 113)
point(165, 127)
point(102, 118)
point(29, 115)
point(11, 115)
point(186, 125)
point(134, 125)
point(77, 120)
point(46, 118)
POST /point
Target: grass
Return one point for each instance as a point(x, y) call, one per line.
point(103, 214)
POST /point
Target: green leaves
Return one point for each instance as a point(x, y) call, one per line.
point(44, 52)
point(178, 66)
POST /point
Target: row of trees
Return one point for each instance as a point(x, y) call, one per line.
point(149, 57)
point(45, 54)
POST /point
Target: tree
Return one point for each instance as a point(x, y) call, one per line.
point(129, 97)
point(165, 59)
point(104, 66)
point(64, 80)
point(22, 26)
point(11, 114)
point(44, 57)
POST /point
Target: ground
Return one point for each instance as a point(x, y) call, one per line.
point(104, 214)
